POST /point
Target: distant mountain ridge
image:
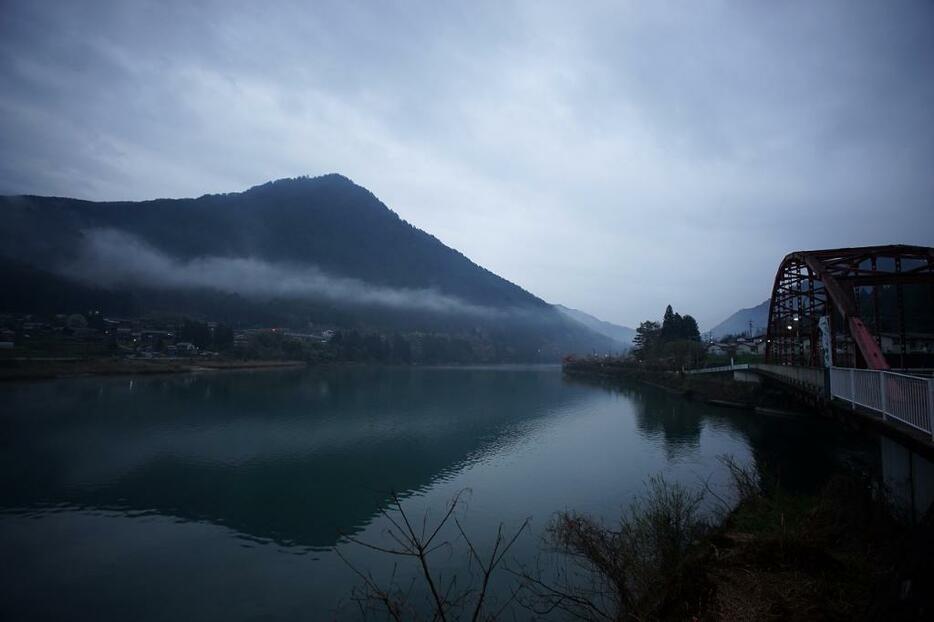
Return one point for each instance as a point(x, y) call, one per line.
point(739, 323)
point(290, 252)
point(621, 335)
point(327, 221)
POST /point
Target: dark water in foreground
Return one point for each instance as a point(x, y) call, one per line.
point(222, 496)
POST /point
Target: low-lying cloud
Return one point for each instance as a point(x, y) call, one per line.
point(113, 258)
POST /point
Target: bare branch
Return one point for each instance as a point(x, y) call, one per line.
point(418, 541)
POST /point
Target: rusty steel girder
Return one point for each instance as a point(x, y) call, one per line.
point(833, 282)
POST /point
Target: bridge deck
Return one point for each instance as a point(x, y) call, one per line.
point(898, 398)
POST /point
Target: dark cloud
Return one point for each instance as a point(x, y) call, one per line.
point(613, 157)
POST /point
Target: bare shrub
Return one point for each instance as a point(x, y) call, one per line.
point(624, 573)
point(747, 483)
point(447, 598)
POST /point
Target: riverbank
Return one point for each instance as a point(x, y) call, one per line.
point(845, 552)
point(713, 389)
point(842, 554)
point(51, 368)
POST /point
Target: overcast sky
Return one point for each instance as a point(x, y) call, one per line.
point(611, 157)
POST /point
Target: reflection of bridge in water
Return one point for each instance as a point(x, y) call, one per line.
point(853, 329)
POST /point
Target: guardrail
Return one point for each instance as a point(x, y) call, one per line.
point(721, 368)
point(808, 376)
point(902, 397)
point(907, 399)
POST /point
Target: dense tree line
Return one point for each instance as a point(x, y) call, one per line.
point(399, 349)
point(326, 223)
point(674, 342)
point(27, 289)
point(354, 346)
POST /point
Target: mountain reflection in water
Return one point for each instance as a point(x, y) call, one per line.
point(215, 482)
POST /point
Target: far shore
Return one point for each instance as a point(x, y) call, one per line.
point(52, 368)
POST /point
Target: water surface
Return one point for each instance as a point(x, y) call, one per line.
point(223, 496)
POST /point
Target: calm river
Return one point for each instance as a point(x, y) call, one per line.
point(224, 496)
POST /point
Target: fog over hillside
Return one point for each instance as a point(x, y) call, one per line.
point(319, 251)
point(621, 335)
point(114, 259)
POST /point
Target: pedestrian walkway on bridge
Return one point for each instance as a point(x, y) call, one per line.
point(897, 398)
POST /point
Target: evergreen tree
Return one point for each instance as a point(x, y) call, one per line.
point(646, 339)
point(676, 327)
point(669, 316)
point(675, 339)
point(689, 329)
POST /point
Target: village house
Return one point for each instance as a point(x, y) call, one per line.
point(915, 343)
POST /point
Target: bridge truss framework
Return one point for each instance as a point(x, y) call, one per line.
point(847, 285)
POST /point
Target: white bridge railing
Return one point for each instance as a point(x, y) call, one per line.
point(811, 377)
point(901, 397)
point(908, 399)
point(721, 368)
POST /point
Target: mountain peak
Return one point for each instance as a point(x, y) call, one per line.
point(751, 319)
point(288, 252)
point(304, 181)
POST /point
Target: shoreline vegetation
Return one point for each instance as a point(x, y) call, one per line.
point(36, 346)
point(763, 398)
point(844, 552)
point(714, 390)
point(65, 367)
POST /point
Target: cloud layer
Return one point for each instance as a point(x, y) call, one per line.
point(614, 157)
point(114, 258)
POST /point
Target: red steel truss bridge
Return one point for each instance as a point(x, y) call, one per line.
point(878, 300)
point(875, 353)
